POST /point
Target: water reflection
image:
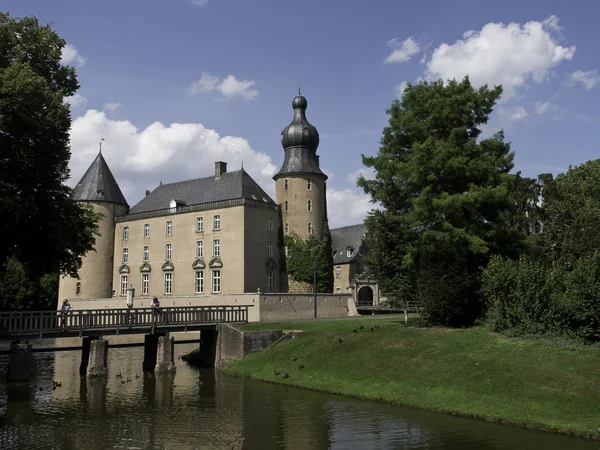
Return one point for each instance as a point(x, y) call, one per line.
point(201, 409)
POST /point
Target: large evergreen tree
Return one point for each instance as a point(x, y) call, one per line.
point(445, 198)
point(41, 227)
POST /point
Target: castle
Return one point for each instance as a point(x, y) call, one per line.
point(212, 235)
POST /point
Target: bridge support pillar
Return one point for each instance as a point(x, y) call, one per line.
point(85, 354)
point(150, 351)
point(208, 348)
point(98, 358)
point(165, 361)
point(19, 365)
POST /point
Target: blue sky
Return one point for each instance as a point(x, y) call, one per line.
point(138, 61)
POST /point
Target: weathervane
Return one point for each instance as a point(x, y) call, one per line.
point(101, 139)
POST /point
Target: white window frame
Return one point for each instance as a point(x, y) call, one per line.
point(216, 281)
point(287, 228)
point(199, 224)
point(216, 247)
point(125, 256)
point(309, 228)
point(199, 282)
point(348, 252)
point(270, 249)
point(125, 233)
point(285, 206)
point(169, 228)
point(270, 226)
point(145, 283)
point(338, 271)
point(309, 205)
point(146, 230)
point(309, 184)
point(199, 248)
point(270, 281)
point(124, 284)
point(146, 256)
point(168, 252)
point(168, 283)
point(285, 184)
point(217, 222)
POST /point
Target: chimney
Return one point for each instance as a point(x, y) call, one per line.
point(220, 168)
point(147, 193)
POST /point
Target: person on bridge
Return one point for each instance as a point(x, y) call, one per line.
point(64, 310)
point(155, 305)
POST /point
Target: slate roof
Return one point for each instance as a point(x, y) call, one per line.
point(99, 185)
point(230, 185)
point(345, 238)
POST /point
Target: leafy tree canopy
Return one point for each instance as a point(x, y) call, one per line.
point(41, 226)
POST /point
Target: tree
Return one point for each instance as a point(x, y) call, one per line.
point(446, 190)
point(41, 227)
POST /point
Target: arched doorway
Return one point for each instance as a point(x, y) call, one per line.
point(365, 296)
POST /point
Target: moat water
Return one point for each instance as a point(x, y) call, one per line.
point(204, 409)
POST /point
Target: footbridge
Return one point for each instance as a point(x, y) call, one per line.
point(92, 325)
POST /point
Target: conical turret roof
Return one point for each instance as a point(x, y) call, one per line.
point(99, 185)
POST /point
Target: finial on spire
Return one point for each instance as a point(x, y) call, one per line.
point(101, 139)
point(242, 163)
point(299, 87)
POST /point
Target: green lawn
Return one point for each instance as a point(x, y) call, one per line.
point(470, 372)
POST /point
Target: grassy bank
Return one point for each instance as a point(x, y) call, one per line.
point(468, 372)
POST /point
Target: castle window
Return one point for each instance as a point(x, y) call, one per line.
point(78, 288)
point(169, 228)
point(270, 283)
point(285, 205)
point(309, 205)
point(285, 184)
point(199, 249)
point(145, 283)
point(125, 233)
point(287, 251)
point(349, 252)
point(309, 228)
point(168, 252)
point(338, 272)
point(270, 224)
point(168, 283)
point(270, 249)
point(199, 281)
point(125, 255)
point(308, 184)
point(216, 281)
point(338, 290)
point(217, 222)
point(146, 253)
point(123, 284)
point(146, 230)
point(199, 224)
point(216, 247)
point(287, 228)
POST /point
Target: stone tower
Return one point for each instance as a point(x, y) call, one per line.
point(300, 183)
point(99, 189)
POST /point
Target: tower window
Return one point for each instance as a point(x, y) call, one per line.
point(146, 253)
point(169, 228)
point(217, 222)
point(199, 249)
point(285, 206)
point(287, 228)
point(146, 230)
point(145, 283)
point(168, 252)
point(199, 224)
point(270, 249)
point(270, 224)
point(168, 283)
point(216, 247)
point(125, 233)
point(78, 288)
point(270, 283)
point(285, 184)
point(308, 184)
point(309, 205)
point(216, 281)
point(338, 272)
point(125, 255)
point(309, 228)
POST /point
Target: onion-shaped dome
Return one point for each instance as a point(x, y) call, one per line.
point(300, 133)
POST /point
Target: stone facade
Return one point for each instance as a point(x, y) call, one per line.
point(302, 202)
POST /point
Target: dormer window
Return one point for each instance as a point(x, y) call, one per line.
point(174, 204)
point(349, 252)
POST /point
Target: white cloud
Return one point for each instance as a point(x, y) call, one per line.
point(347, 207)
point(75, 100)
point(229, 87)
point(112, 106)
point(140, 159)
point(70, 56)
point(589, 79)
point(402, 50)
point(400, 89)
point(509, 55)
point(199, 2)
point(542, 108)
point(513, 114)
point(365, 172)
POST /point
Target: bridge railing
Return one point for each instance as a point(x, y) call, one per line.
point(42, 322)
